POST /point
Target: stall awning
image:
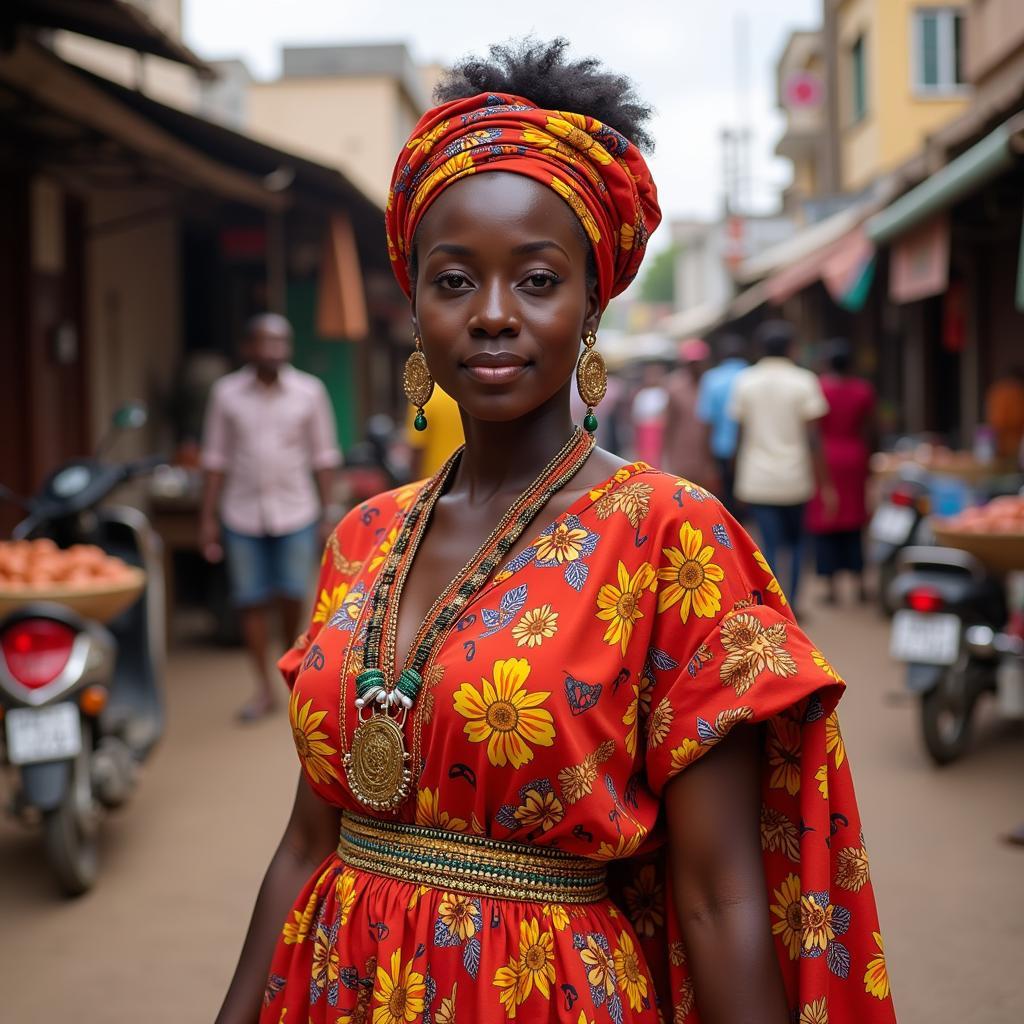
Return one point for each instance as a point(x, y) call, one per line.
point(846, 266)
point(988, 158)
point(113, 21)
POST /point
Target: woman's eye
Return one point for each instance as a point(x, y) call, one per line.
point(542, 279)
point(453, 281)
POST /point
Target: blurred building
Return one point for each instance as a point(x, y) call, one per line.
point(137, 233)
point(899, 74)
point(349, 106)
point(904, 126)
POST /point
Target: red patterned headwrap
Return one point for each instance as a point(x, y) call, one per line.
point(595, 169)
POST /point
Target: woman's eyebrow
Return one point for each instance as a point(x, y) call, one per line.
point(450, 249)
point(538, 246)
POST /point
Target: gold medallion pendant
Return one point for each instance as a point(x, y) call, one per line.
point(377, 764)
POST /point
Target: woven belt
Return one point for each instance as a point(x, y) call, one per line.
point(469, 864)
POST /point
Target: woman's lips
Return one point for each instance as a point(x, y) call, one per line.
point(495, 367)
point(496, 374)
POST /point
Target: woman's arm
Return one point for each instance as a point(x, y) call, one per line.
point(714, 812)
point(310, 835)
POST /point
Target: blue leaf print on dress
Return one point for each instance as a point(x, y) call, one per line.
point(509, 606)
point(721, 535)
point(471, 957)
point(576, 574)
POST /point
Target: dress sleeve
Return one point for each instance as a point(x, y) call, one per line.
point(727, 650)
point(327, 584)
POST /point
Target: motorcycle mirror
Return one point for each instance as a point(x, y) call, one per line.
point(131, 416)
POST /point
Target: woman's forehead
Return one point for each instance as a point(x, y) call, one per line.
point(498, 206)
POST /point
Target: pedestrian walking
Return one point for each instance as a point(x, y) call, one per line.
point(846, 432)
point(714, 394)
point(476, 755)
point(269, 454)
point(777, 405)
point(650, 414)
point(686, 450)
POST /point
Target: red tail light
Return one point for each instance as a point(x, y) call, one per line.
point(903, 498)
point(924, 599)
point(36, 650)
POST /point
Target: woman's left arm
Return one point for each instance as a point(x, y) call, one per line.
point(713, 811)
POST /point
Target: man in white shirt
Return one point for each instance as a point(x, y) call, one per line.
point(776, 404)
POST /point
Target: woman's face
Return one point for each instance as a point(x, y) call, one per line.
point(501, 298)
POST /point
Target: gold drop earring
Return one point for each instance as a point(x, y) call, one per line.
point(417, 383)
point(591, 379)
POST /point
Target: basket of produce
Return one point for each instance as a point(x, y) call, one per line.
point(83, 577)
point(993, 533)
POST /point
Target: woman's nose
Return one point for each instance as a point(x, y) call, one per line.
point(495, 311)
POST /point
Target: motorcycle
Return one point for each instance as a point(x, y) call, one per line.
point(948, 630)
point(81, 701)
point(899, 521)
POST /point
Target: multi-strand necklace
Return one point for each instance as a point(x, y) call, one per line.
point(378, 764)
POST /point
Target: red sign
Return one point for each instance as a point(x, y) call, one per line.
point(803, 90)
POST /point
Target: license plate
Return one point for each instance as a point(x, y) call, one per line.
point(43, 734)
point(926, 639)
point(892, 524)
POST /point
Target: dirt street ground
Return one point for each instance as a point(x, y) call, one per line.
point(157, 939)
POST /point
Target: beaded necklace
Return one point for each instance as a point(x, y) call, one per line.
point(378, 764)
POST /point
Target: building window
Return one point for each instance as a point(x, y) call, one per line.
point(938, 44)
point(859, 80)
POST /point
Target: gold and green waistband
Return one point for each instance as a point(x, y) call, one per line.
point(475, 865)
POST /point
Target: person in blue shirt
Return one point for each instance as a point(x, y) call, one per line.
point(712, 408)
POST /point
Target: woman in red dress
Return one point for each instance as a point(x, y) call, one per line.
point(598, 775)
point(845, 431)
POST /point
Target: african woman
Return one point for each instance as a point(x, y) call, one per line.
point(565, 754)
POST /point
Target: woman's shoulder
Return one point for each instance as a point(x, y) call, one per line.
point(365, 523)
point(663, 498)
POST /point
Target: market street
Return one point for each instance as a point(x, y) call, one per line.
point(157, 939)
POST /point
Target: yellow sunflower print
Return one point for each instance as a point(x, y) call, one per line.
point(329, 602)
point(816, 922)
point(619, 605)
point(876, 977)
point(536, 626)
point(632, 980)
point(400, 992)
point(537, 957)
point(309, 740)
point(429, 813)
point(815, 1013)
point(563, 544)
point(457, 913)
point(506, 715)
point(773, 583)
point(822, 662)
point(452, 169)
point(539, 810)
point(586, 218)
point(692, 577)
point(834, 739)
point(786, 909)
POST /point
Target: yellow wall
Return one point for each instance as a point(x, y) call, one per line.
point(897, 120)
point(355, 124)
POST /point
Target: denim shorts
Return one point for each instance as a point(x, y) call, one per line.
point(264, 567)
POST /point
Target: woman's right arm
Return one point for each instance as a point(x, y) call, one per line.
point(310, 835)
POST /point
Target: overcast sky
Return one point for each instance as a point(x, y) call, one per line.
point(682, 55)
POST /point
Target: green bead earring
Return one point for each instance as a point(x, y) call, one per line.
point(591, 380)
point(418, 384)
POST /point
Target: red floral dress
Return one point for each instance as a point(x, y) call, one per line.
point(620, 647)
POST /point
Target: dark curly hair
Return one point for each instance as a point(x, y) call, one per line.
point(541, 72)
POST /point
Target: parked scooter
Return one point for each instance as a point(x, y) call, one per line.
point(81, 701)
point(899, 521)
point(950, 612)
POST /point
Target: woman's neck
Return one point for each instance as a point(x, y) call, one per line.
point(505, 458)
